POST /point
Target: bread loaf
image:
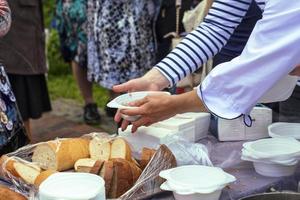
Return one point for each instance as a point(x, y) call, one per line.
point(8, 194)
point(100, 148)
point(43, 176)
point(27, 171)
point(61, 155)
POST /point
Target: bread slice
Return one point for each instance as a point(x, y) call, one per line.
point(7, 166)
point(8, 194)
point(84, 165)
point(60, 155)
point(120, 149)
point(43, 176)
point(106, 173)
point(100, 148)
point(27, 172)
point(97, 167)
point(146, 156)
point(136, 172)
point(122, 177)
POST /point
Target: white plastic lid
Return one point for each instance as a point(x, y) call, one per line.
point(196, 179)
point(284, 130)
point(72, 186)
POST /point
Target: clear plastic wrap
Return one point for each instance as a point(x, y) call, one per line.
point(148, 184)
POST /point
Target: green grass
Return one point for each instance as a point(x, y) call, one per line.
point(64, 86)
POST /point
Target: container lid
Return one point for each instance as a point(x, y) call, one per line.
point(71, 186)
point(122, 101)
point(196, 179)
point(284, 130)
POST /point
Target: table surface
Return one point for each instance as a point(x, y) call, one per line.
point(227, 155)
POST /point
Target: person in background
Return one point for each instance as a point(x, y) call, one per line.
point(12, 132)
point(120, 42)
point(232, 88)
point(72, 28)
point(22, 51)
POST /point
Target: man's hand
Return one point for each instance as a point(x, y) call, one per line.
point(296, 71)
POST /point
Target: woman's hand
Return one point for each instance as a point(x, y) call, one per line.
point(152, 81)
point(155, 108)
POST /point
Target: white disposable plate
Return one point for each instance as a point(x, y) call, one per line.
point(273, 147)
point(122, 101)
point(196, 179)
point(283, 130)
point(72, 186)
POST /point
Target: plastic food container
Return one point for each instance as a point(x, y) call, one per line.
point(72, 186)
point(122, 101)
point(196, 182)
point(274, 157)
point(283, 130)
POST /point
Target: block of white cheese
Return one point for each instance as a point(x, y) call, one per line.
point(202, 122)
point(150, 137)
point(184, 126)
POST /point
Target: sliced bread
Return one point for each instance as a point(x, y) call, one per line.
point(122, 177)
point(106, 173)
point(8, 194)
point(27, 172)
point(84, 165)
point(43, 176)
point(97, 167)
point(100, 148)
point(120, 149)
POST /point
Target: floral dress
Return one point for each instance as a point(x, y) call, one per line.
point(71, 22)
point(120, 40)
point(12, 133)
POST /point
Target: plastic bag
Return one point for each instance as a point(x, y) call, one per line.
point(149, 182)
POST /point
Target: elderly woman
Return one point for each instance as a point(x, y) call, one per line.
point(12, 134)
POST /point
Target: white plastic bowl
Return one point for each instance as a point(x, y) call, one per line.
point(273, 148)
point(122, 101)
point(192, 195)
point(196, 182)
point(72, 186)
point(274, 170)
point(284, 130)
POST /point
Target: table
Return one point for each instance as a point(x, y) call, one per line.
point(227, 155)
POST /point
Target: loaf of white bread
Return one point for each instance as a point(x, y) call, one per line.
point(61, 155)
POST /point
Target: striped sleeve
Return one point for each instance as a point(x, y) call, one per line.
point(204, 42)
point(5, 18)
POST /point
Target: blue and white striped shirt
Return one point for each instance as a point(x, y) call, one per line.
point(233, 88)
